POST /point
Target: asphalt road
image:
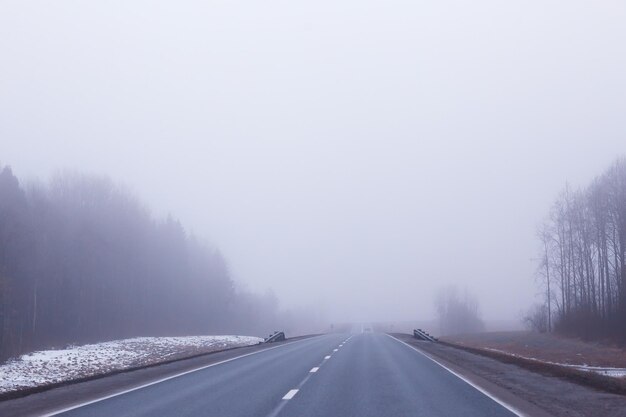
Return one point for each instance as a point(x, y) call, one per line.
point(365, 374)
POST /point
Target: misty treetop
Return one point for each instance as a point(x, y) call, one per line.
point(457, 312)
point(584, 258)
point(81, 260)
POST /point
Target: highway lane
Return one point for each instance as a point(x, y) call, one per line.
point(366, 374)
point(376, 375)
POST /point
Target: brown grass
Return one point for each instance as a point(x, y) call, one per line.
point(589, 379)
point(546, 347)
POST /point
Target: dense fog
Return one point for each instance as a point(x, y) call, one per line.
point(345, 160)
point(82, 261)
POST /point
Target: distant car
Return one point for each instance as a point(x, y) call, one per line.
point(367, 329)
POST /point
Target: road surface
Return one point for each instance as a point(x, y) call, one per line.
point(364, 375)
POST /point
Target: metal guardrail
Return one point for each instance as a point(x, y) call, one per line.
point(422, 335)
point(276, 337)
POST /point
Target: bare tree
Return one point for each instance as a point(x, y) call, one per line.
point(583, 258)
point(457, 313)
point(537, 318)
point(547, 241)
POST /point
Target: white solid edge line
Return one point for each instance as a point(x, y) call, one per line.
point(158, 381)
point(315, 369)
point(467, 381)
point(290, 394)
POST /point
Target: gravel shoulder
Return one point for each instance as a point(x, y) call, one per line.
point(534, 393)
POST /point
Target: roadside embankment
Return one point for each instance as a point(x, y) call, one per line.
point(35, 371)
point(553, 389)
point(547, 348)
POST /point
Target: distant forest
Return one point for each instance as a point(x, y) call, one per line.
point(584, 260)
point(81, 260)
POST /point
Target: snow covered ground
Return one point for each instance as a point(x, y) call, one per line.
point(50, 366)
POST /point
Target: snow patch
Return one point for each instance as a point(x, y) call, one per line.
point(53, 366)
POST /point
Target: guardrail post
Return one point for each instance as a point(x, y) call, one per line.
point(422, 335)
point(276, 337)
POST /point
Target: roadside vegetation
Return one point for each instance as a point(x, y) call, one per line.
point(583, 261)
point(457, 312)
point(82, 261)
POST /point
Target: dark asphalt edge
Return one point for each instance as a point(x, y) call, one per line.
point(588, 379)
point(20, 393)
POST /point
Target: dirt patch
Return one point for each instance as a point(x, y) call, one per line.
point(546, 347)
point(589, 379)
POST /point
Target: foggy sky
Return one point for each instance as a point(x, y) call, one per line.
point(355, 155)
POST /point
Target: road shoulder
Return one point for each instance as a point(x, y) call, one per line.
point(531, 393)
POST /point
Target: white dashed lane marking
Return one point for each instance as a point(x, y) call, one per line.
point(290, 394)
point(276, 411)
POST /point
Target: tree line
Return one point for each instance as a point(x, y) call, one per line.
point(583, 259)
point(457, 312)
point(82, 260)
